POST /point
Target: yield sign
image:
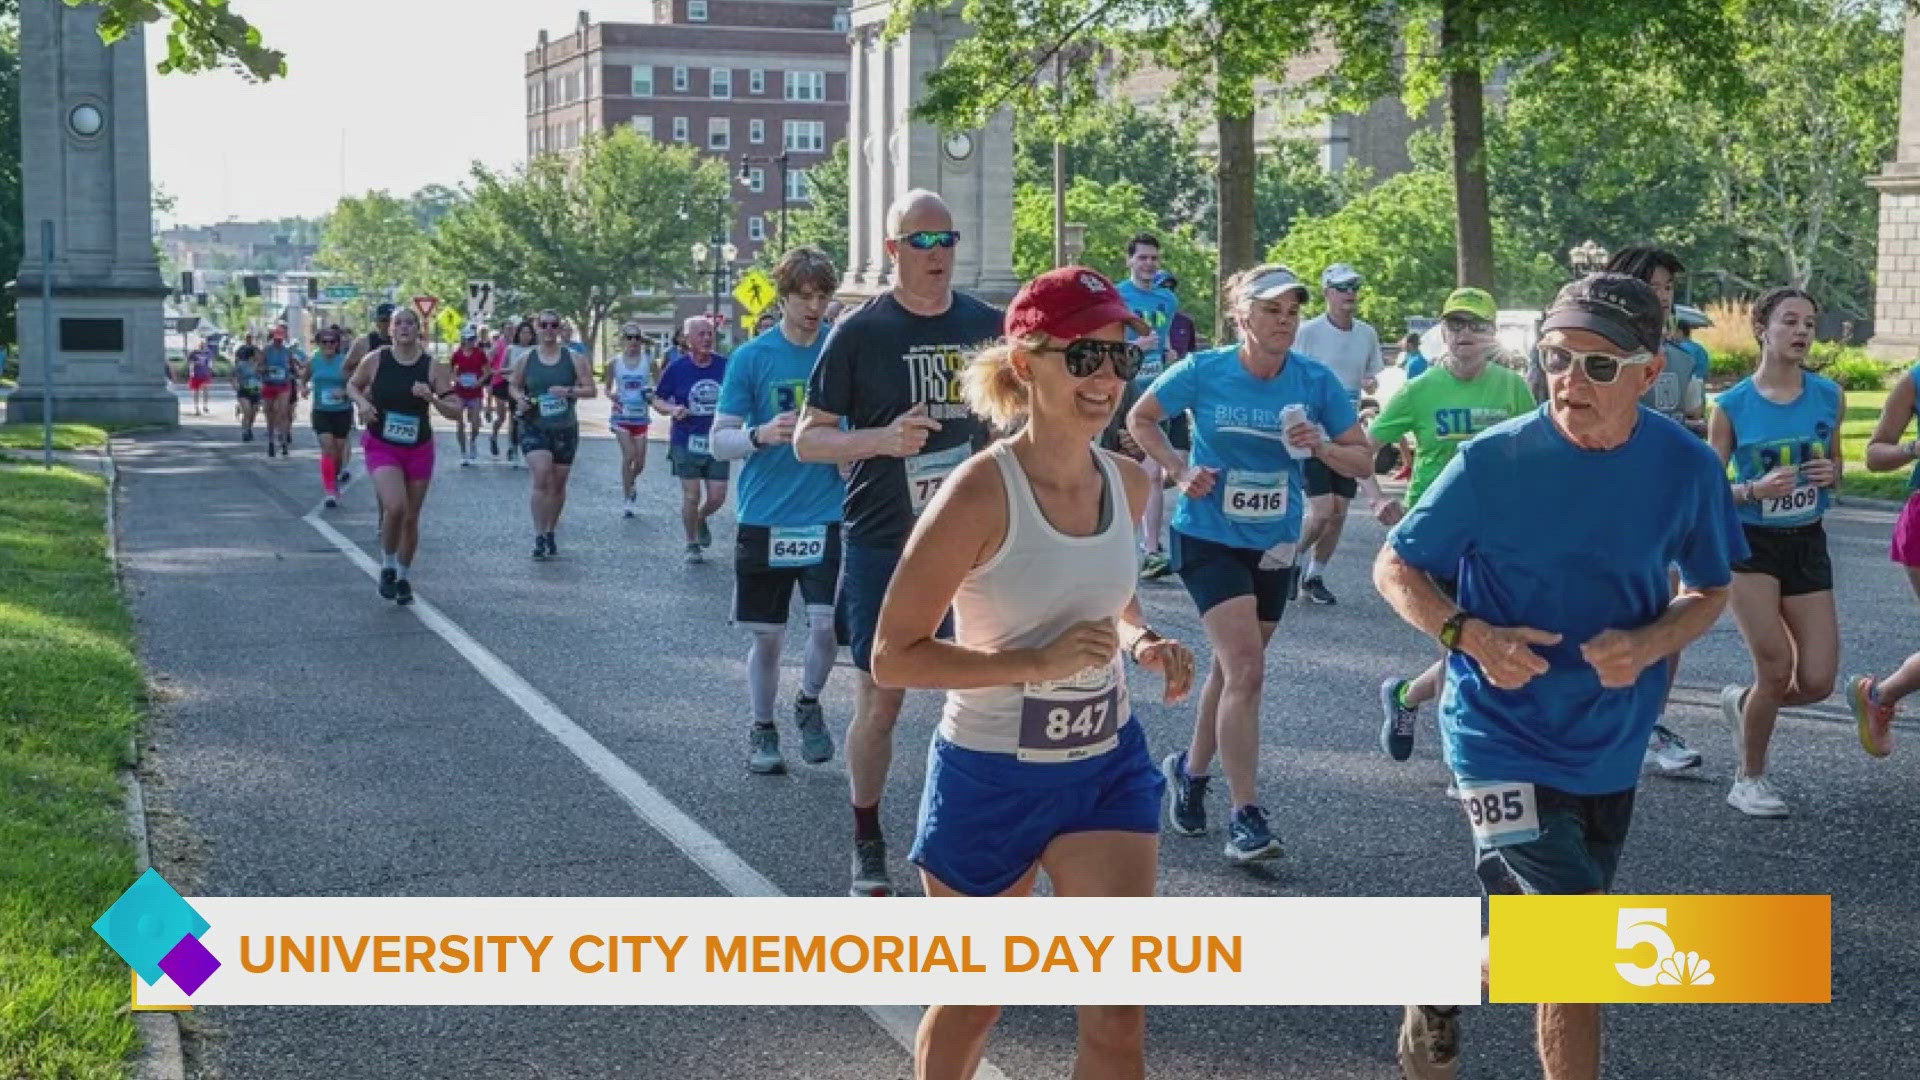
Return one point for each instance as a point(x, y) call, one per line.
point(425, 305)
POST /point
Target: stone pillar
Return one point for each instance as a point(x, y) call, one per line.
point(890, 154)
point(84, 160)
point(1896, 294)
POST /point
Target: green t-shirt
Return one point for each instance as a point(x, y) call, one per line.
point(1443, 412)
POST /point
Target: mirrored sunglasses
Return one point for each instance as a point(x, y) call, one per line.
point(928, 239)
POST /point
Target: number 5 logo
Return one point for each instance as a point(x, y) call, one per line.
point(1670, 967)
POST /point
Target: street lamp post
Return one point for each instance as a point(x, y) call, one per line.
point(746, 178)
point(1073, 241)
point(723, 253)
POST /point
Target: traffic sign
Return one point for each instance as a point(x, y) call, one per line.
point(480, 300)
point(451, 324)
point(755, 291)
point(342, 292)
point(425, 305)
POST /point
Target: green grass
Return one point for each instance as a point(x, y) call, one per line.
point(65, 437)
point(71, 694)
point(1863, 412)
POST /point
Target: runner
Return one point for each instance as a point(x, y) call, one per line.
point(1563, 621)
point(469, 387)
point(1459, 397)
point(689, 391)
point(1350, 347)
point(891, 369)
point(1780, 427)
point(788, 512)
point(393, 390)
point(279, 372)
point(517, 350)
point(545, 385)
point(629, 382)
point(1259, 410)
point(381, 334)
point(1155, 305)
point(246, 386)
point(332, 410)
point(1038, 763)
point(1875, 702)
point(1411, 359)
point(499, 399)
point(200, 376)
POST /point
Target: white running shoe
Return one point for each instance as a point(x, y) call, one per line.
point(1755, 797)
point(1667, 753)
point(1429, 1045)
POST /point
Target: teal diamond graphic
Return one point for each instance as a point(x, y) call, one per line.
point(146, 923)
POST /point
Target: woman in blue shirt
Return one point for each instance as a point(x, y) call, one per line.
point(1780, 428)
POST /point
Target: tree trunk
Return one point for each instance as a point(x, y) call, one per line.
point(1466, 109)
point(1233, 180)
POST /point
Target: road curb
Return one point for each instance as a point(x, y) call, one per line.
point(1862, 503)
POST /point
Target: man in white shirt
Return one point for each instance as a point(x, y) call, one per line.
point(1351, 348)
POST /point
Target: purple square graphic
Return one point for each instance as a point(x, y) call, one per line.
point(189, 964)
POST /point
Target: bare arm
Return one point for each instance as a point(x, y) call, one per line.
point(1885, 451)
point(583, 384)
point(819, 438)
point(1349, 454)
point(1143, 423)
point(440, 382)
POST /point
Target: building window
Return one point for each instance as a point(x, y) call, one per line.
point(590, 74)
point(643, 81)
point(757, 81)
point(696, 10)
point(756, 228)
point(756, 180)
point(533, 98)
point(679, 129)
point(756, 131)
point(808, 135)
point(643, 126)
point(842, 22)
point(806, 86)
point(720, 83)
point(798, 190)
point(680, 79)
point(719, 133)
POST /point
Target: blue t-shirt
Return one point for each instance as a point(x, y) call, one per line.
point(1256, 498)
point(1767, 435)
point(1415, 365)
point(1542, 533)
point(279, 364)
point(698, 388)
point(1157, 307)
point(1668, 394)
point(767, 377)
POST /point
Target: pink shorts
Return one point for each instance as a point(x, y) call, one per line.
point(414, 462)
point(1906, 534)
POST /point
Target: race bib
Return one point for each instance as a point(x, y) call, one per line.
point(1257, 497)
point(1501, 814)
point(401, 429)
point(1799, 502)
point(277, 376)
point(1072, 718)
point(789, 548)
point(696, 444)
point(333, 398)
point(249, 382)
point(469, 380)
point(1666, 393)
point(926, 472)
point(551, 406)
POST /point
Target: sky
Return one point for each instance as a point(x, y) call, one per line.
point(413, 90)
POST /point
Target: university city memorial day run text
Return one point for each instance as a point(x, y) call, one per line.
point(769, 954)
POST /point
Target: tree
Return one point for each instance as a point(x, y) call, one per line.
point(1127, 143)
point(1113, 214)
point(374, 241)
point(1291, 183)
point(431, 203)
point(201, 35)
point(822, 221)
point(618, 216)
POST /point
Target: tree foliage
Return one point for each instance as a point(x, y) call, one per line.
point(202, 35)
point(822, 222)
point(1113, 214)
point(374, 241)
point(1129, 143)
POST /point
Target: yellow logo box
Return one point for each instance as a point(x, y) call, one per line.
point(1643, 949)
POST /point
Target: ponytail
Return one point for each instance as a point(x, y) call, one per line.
point(994, 390)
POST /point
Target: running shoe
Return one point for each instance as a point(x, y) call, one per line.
point(816, 743)
point(247, 435)
point(513, 454)
point(1154, 567)
point(870, 869)
point(343, 478)
point(1397, 721)
point(465, 461)
point(540, 546)
point(1874, 719)
point(1429, 1043)
point(1755, 797)
point(706, 534)
point(388, 580)
point(1186, 796)
point(331, 502)
point(694, 557)
point(764, 757)
point(493, 442)
point(553, 547)
point(1667, 753)
point(627, 509)
point(403, 592)
point(272, 446)
point(1248, 837)
point(1316, 590)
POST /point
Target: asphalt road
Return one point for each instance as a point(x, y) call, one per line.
point(314, 740)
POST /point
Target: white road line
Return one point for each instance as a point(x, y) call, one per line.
point(705, 849)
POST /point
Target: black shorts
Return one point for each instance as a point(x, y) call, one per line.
point(762, 592)
point(1215, 573)
point(1324, 481)
point(248, 395)
point(562, 443)
point(335, 422)
point(1577, 851)
point(501, 390)
point(1796, 557)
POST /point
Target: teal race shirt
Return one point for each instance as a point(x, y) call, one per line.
point(766, 377)
point(1767, 435)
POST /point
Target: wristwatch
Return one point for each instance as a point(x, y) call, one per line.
point(753, 437)
point(1450, 631)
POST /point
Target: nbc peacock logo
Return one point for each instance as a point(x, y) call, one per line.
point(1643, 931)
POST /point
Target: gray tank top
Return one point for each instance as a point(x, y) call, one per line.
point(553, 412)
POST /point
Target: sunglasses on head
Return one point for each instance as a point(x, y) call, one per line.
point(1461, 324)
point(1085, 355)
point(1602, 368)
point(928, 239)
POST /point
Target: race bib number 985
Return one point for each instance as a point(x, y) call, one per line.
point(1501, 814)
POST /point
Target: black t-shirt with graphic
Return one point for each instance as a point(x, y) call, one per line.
point(880, 361)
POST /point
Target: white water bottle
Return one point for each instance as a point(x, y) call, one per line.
point(1295, 413)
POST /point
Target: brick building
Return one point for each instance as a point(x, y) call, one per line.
point(727, 77)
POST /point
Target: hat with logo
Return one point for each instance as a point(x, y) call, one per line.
point(1339, 276)
point(1469, 301)
point(1278, 281)
point(1619, 307)
point(1068, 303)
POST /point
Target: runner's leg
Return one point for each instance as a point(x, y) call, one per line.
point(1238, 642)
point(1112, 1038)
point(1756, 610)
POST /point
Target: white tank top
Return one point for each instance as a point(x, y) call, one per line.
point(1039, 583)
point(632, 386)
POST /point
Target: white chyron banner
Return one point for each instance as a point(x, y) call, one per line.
point(832, 951)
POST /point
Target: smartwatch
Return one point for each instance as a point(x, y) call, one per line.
point(1450, 631)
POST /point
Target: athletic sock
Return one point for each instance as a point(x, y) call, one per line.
point(388, 562)
point(1400, 694)
point(866, 822)
point(402, 571)
point(1313, 567)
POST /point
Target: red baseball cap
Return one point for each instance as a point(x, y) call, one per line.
point(1067, 303)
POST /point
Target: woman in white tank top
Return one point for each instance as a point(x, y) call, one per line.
point(1038, 763)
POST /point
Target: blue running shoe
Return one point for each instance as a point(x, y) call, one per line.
point(1186, 796)
point(816, 745)
point(1396, 723)
point(1248, 838)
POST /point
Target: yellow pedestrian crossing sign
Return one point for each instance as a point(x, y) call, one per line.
point(451, 322)
point(755, 291)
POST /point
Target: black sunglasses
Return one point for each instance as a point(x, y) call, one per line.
point(1602, 368)
point(1461, 324)
point(1085, 355)
point(548, 325)
point(635, 337)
